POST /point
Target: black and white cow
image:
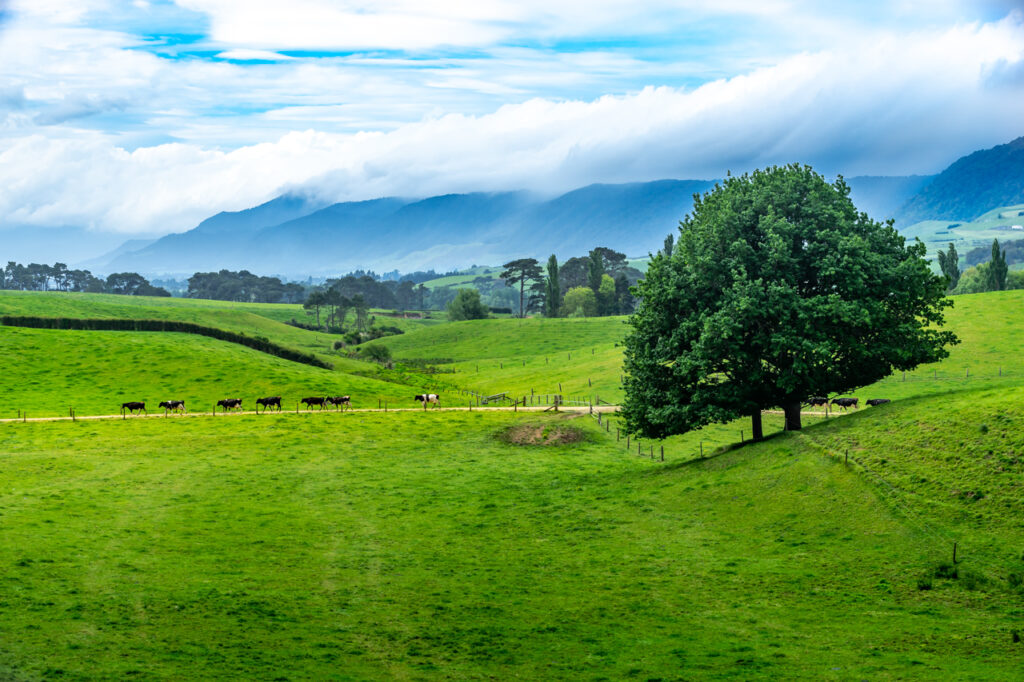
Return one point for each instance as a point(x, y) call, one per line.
point(342, 401)
point(230, 404)
point(269, 403)
point(310, 402)
point(173, 405)
point(875, 402)
point(429, 398)
point(845, 402)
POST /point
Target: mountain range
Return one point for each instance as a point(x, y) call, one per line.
point(297, 236)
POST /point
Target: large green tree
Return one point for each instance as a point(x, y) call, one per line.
point(777, 289)
point(520, 272)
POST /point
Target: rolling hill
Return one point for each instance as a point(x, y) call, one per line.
point(971, 186)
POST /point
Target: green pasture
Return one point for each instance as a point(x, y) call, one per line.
point(582, 355)
point(45, 372)
point(426, 546)
point(966, 235)
point(254, 319)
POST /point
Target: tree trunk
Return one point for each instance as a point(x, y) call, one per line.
point(792, 410)
point(755, 425)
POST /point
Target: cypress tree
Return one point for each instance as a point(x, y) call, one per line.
point(997, 268)
point(553, 292)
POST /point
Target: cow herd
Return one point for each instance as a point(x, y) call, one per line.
point(844, 403)
point(271, 403)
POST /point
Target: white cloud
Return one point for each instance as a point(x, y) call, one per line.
point(877, 101)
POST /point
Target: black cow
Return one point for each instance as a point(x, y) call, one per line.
point(133, 407)
point(174, 405)
point(817, 401)
point(310, 402)
point(429, 398)
point(230, 403)
point(875, 402)
point(339, 400)
point(845, 402)
point(269, 403)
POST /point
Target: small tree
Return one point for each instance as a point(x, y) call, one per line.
point(552, 292)
point(520, 272)
point(777, 289)
point(377, 352)
point(579, 302)
point(997, 268)
point(467, 306)
point(949, 263)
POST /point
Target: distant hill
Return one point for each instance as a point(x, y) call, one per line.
point(292, 236)
point(971, 186)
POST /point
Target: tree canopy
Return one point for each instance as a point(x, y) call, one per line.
point(520, 272)
point(777, 289)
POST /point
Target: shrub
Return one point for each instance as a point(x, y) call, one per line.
point(376, 352)
point(946, 571)
point(924, 583)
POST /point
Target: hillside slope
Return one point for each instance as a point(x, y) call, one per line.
point(972, 185)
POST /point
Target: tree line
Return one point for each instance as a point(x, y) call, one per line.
point(594, 285)
point(58, 277)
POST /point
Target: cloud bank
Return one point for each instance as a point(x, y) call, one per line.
point(880, 102)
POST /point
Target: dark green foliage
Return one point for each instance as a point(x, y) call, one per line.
point(552, 292)
point(949, 263)
point(997, 268)
point(777, 289)
point(669, 242)
point(261, 344)
point(467, 306)
point(242, 286)
point(946, 571)
point(520, 272)
point(595, 270)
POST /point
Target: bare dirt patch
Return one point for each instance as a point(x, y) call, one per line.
point(543, 434)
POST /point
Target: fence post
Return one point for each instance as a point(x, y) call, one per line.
point(954, 552)
point(702, 449)
point(662, 453)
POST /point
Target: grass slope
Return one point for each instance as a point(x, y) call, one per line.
point(423, 546)
point(47, 371)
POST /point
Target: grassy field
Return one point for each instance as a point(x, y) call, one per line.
point(48, 371)
point(311, 547)
point(583, 355)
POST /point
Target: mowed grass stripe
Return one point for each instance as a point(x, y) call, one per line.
point(423, 546)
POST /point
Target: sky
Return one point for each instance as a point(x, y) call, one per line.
point(143, 117)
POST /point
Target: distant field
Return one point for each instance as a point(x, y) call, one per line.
point(423, 546)
point(996, 224)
